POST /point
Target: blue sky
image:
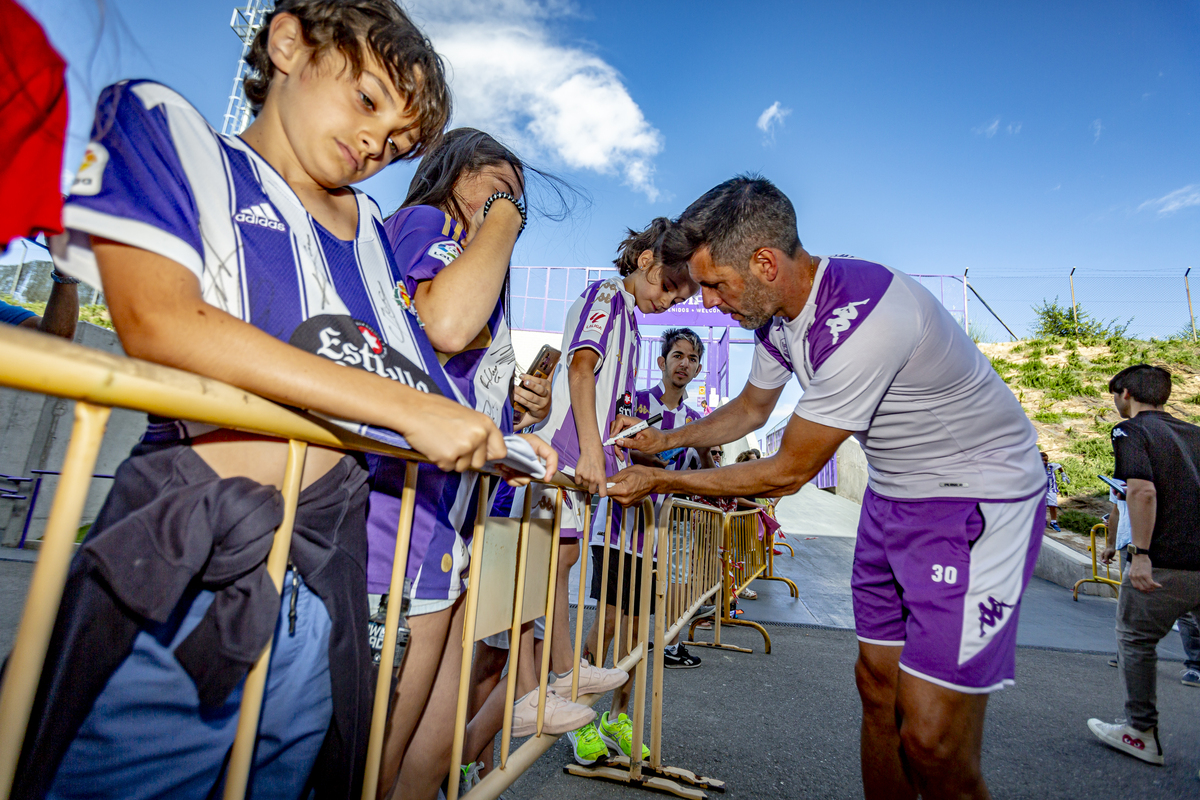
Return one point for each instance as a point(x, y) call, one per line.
point(1016, 139)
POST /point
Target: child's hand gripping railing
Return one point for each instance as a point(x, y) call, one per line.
point(686, 574)
point(744, 560)
point(99, 382)
point(1107, 579)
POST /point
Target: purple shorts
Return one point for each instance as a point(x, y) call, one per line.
point(943, 579)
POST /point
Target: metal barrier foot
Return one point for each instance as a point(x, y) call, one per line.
point(795, 590)
point(670, 780)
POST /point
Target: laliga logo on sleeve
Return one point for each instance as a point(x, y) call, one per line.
point(840, 321)
point(595, 323)
point(87, 179)
point(446, 251)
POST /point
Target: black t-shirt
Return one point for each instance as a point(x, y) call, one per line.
point(1156, 447)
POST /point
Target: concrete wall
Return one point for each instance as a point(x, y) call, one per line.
point(1060, 564)
point(34, 431)
point(851, 471)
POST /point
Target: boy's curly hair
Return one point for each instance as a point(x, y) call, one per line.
point(353, 28)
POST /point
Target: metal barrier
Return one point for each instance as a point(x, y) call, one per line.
point(686, 574)
point(1107, 580)
point(745, 558)
point(98, 382)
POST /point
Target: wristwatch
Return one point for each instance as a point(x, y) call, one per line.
point(1134, 550)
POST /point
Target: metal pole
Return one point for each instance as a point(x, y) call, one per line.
point(966, 315)
point(1191, 316)
point(20, 268)
point(1074, 314)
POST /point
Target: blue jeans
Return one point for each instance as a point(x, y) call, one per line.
point(148, 737)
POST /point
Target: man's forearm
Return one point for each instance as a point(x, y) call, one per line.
point(1143, 511)
point(62, 311)
point(726, 424)
point(766, 477)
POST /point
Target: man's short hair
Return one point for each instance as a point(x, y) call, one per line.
point(737, 218)
point(1146, 383)
point(675, 334)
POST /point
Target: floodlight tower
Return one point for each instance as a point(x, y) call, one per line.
point(245, 23)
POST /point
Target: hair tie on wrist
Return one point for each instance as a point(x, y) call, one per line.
point(506, 196)
point(58, 277)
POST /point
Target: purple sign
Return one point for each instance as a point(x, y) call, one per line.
point(690, 313)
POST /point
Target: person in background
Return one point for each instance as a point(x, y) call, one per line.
point(62, 309)
point(1158, 457)
point(1052, 472)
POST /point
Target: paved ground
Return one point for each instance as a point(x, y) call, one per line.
point(786, 726)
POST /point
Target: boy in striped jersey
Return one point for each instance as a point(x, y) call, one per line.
point(250, 260)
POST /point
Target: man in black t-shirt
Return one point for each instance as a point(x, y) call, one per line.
point(1158, 456)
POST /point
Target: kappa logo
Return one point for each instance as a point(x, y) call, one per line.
point(989, 616)
point(262, 215)
point(1118, 432)
point(91, 170)
point(842, 317)
point(446, 251)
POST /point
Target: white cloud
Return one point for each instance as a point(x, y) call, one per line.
point(1014, 128)
point(1097, 128)
point(988, 129)
point(511, 78)
point(1174, 201)
point(772, 117)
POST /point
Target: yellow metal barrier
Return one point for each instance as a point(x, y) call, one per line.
point(744, 559)
point(1107, 579)
point(686, 574)
point(98, 382)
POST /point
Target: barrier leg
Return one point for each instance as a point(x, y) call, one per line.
point(241, 757)
point(514, 634)
point(584, 556)
point(468, 640)
point(46, 586)
point(387, 658)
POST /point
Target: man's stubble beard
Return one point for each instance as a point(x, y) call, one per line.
point(756, 305)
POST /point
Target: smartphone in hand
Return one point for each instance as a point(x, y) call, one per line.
point(543, 367)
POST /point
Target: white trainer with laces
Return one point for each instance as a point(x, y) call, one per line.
point(561, 715)
point(592, 680)
point(1120, 736)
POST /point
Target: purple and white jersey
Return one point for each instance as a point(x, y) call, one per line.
point(156, 176)
point(601, 320)
point(878, 355)
point(648, 403)
point(425, 240)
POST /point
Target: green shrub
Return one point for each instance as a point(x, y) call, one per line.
point(1053, 320)
point(1077, 521)
point(1047, 417)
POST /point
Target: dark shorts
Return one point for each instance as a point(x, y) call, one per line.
point(633, 565)
point(943, 579)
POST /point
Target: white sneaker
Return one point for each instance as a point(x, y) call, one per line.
point(592, 680)
point(1120, 736)
point(561, 715)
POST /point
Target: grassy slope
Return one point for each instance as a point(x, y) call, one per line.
point(1063, 388)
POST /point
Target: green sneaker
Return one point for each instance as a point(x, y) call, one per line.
point(589, 749)
point(619, 735)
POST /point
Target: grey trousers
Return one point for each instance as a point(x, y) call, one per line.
point(1189, 632)
point(1143, 618)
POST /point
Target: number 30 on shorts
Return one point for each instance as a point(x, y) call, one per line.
point(944, 574)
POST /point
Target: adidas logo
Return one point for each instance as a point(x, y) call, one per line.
point(261, 214)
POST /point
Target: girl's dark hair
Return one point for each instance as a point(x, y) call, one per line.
point(664, 239)
point(354, 28)
point(467, 150)
point(746, 455)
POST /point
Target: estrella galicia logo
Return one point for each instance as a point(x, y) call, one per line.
point(989, 616)
point(353, 343)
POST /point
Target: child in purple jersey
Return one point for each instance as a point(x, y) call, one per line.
point(593, 385)
point(452, 260)
point(215, 253)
